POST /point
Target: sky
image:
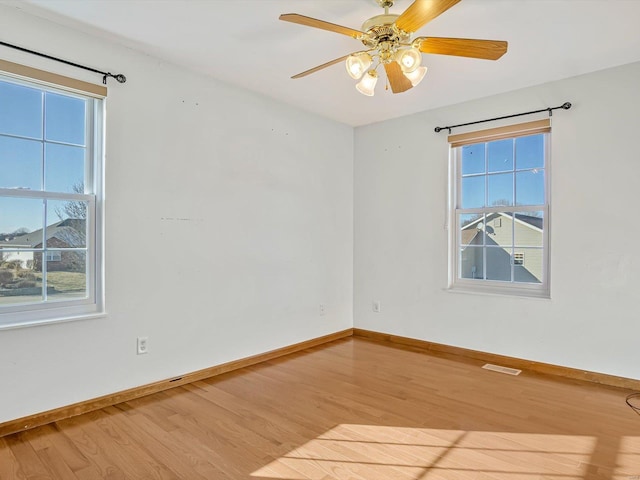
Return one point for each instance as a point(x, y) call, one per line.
point(42, 147)
point(503, 172)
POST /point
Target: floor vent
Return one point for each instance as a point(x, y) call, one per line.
point(498, 368)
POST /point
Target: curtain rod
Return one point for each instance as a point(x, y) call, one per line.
point(119, 77)
point(564, 106)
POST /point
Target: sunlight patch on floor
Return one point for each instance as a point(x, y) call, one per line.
point(372, 452)
point(628, 461)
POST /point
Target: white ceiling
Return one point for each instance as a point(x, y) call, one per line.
point(243, 43)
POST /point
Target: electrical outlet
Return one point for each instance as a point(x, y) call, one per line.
point(143, 345)
point(376, 306)
point(322, 309)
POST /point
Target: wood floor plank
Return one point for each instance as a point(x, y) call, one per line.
point(354, 409)
point(100, 460)
point(124, 450)
point(48, 437)
point(54, 463)
point(31, 467)
point(162, 445)
point(9, 466)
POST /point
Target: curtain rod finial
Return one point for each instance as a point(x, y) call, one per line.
point(566, 105)
point(119, 77)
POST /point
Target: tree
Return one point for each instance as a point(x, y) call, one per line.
point(71, 232)
point(73, 208)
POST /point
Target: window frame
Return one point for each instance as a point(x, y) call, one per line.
point(91, 306)
point(499, 287)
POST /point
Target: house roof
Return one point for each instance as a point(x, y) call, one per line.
point(467, 236)
point(529, 220)
point(68, 230)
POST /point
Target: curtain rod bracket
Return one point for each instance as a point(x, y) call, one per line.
point(564, 106)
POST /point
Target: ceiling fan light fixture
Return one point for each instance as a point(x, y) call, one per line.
point(387, 40)
point(367, 85)
point(357, 64)
point(409, 59)
point(416, 76)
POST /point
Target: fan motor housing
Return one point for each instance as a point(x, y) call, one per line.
point(381, 29)
point(379, 20)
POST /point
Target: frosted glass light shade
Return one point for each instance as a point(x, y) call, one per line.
point(417, 75)
point(357, 64)
point(367, 85)
point(409, 59)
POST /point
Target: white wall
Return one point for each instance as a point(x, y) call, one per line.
point(591, 320)
point(228, 221)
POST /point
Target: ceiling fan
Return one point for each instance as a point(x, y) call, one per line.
point(387, 39)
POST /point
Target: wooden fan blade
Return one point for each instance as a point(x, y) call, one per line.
point(320, 67)
point(463, 47)
point(313, 22)
point(422, 11)
point(399, 83)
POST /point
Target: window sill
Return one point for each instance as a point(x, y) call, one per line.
point(499, 292)
point(50, 321)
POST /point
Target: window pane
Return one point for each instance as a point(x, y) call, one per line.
point(66, 223)
point(500, 155)
point(64, 168)
point(499, 263)
point(65, 119)
point(472, 195)
point(66, 275)
point(471, 229)
point(530, 187)
point(20, 110)
point(471, 263)
point(19, 285)
point(20, 163)
point(20, 223)
point(473, 159)
point(528, 265)
point(528, 229)
point(499, 231)
point(528, 262)
point(530, 152)
point(500, 189)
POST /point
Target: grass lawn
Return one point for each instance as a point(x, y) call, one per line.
point(67, 286)
point(65, 281)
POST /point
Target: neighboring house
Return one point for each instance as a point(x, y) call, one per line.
point(67, 233)
point(506, 242)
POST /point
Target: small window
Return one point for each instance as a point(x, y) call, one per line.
point(54, 256)
point(50, 238)
point(518, 258)
point(499, 200)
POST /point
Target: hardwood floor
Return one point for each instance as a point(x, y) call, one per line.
point(352, 409)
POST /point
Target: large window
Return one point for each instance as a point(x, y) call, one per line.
point(500, 210)
point(50, 188)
